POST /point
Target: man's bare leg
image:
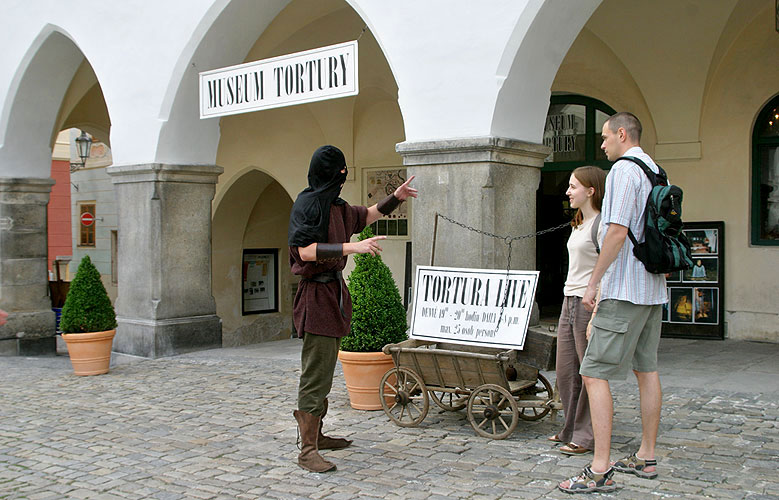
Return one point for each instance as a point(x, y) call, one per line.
point(651, 405)
point(602, 411)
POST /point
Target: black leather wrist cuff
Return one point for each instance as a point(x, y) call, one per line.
point(327, 251)
point(388, 204)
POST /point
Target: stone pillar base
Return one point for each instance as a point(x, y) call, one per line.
point(167, 337)
point(28, 347)
point(164, 305)
point(24, 282)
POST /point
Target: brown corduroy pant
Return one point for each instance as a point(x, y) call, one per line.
point(571, 344)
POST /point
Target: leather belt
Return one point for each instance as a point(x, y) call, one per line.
point(327, 277)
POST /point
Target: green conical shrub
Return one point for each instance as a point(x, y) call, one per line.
point(378, 316)
point(87, 307)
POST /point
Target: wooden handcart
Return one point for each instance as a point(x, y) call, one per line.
point(497, 387)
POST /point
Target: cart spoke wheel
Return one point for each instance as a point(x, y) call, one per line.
point(493, 411)
point(449, 401)
point(542, 391)
point(403, 397)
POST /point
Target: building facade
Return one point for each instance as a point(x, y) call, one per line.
point(484, 103)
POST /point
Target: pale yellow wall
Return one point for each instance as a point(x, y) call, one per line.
point(592, 69)
point(743, 77)
point(266, 156)
point(718, 187)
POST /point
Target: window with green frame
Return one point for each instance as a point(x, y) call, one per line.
point(572, 129)
point(765, 176)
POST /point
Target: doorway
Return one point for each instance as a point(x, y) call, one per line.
point(572, 130)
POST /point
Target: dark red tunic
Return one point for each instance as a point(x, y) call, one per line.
point(316, 307)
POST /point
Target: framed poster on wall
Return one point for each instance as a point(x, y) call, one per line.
point(260, 283)
point(695, 307)
point(378, 183)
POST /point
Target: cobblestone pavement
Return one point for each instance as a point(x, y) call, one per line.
point(218, 425)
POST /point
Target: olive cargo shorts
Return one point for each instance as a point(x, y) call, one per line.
point(623, 334)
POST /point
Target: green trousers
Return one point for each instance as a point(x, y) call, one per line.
point(317, 362)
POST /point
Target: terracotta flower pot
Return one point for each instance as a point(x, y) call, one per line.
point(363, 372)
point(90, 353)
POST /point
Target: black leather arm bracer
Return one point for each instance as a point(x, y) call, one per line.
point(388, 204)
point(327, 251)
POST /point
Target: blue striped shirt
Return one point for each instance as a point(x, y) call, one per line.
point(624, 203)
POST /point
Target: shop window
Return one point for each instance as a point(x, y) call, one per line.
point(572, 129)
point(765, 176)
point(86, 225)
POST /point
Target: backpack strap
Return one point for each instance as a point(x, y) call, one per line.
point(652, 179)
point(594, 233)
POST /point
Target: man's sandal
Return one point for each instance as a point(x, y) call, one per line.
point(555, 439)
point(588, 482)
point(637, 466)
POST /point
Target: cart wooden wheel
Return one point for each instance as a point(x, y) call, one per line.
point(536, 393)
point(492, 411)
point(449, 401)
point(407, 395)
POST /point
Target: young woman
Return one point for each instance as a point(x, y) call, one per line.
point(585, 193)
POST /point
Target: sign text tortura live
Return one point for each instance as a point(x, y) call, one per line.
point(475, 291)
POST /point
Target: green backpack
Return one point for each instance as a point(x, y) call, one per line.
point(665, 247)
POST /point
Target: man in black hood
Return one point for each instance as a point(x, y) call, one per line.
point(320, 227)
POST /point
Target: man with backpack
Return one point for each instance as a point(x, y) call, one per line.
point(625, 329)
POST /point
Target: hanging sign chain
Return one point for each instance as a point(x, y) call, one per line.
point(508, 240)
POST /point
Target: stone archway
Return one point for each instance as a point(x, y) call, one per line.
point(33, 114)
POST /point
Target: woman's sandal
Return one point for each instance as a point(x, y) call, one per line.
point(555, 439)
point(573, 449)
point(637, 466)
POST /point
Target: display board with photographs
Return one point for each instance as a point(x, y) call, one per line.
point(695, 296)
point(260, 283)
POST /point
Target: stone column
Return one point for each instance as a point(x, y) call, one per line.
point(24, 281)
point(487, 183)
point(164, 304)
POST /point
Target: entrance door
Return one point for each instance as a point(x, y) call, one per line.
point(572, 130)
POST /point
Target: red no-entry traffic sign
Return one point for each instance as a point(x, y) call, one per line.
point(87, 219)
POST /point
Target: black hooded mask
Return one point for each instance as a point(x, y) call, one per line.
point(310, 217)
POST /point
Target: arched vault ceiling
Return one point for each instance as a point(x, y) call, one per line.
point(668, 46)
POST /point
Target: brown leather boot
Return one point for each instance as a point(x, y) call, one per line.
point(327, 442)
point(309, 457)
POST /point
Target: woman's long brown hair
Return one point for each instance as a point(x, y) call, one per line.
point(590, 177)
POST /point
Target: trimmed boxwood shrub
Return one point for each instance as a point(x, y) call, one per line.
point(87, 307)
point(378, 316)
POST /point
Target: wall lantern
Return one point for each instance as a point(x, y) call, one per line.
point(83, 148)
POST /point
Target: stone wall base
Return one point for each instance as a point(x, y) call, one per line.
point(154, 339)
point(28, 347)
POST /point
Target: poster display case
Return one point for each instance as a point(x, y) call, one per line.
point(260, 283)
point(695, 307)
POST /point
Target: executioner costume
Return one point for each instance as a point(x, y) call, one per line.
point(322, 308)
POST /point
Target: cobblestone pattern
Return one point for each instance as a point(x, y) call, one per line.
point(216, 429)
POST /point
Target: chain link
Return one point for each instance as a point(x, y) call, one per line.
point(508, 240)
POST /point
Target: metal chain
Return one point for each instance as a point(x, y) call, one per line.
point(508, 240)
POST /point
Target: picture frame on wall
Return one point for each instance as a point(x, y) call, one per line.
point(378, 183)
point(680, 304)
point(703, 241)
point(705, 305)
point(260, 281)
point(704, 270)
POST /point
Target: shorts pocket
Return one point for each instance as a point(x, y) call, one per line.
point(608, 337)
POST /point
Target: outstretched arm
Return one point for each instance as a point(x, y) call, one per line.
point(324, 251)
point(388, 204)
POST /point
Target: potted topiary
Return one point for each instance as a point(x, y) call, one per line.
point(378, 318)
point(88, 321)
